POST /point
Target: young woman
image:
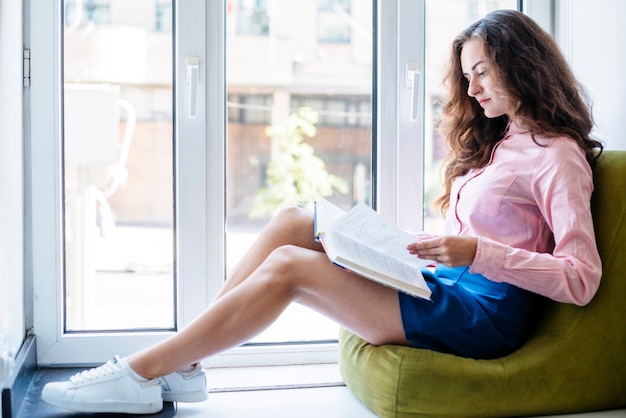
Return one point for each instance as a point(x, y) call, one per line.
point(518, 186)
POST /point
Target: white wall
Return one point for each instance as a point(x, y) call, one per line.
point(593, 39)
point(11, 179)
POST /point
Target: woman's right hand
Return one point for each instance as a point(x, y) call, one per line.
point(451, 250)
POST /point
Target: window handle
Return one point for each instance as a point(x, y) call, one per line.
point(413, 81)
point(193, 67)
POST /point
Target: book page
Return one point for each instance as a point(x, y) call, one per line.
point(366, 226)
point(341, 247)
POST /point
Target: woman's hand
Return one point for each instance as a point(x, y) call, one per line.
point(451, 250)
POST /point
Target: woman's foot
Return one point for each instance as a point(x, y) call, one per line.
point(112, 387)
point(185, 385)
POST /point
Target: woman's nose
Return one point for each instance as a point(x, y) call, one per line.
point(473, 88)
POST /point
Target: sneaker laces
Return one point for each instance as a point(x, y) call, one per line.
point(111, 367)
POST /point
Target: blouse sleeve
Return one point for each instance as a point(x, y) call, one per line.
point(562, 187)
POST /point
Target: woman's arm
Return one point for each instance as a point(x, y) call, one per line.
point(562, 188)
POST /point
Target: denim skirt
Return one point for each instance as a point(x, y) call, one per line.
point(468, 315)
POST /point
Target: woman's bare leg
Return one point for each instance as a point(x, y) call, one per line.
point(288, 274)
point(291, 226)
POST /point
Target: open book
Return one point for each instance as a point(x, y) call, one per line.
point(365, 243)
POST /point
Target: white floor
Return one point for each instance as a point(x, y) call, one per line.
point(277, 396)
point(328, 402)
point(279, 391)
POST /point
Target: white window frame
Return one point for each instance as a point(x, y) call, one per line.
point(199, 183)
point(399, 152)
point(46, 217)
point(400, 139)
point(200, 179)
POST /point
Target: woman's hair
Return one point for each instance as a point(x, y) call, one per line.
point(532, 71)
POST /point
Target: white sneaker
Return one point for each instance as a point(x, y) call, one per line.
point(112, 387)
point(185, 386)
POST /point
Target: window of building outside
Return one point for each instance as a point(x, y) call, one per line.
point(352, 110)
point(164, 16)
point(334, 21)
point(252, 17)
point(87, 12)
point(249, 109)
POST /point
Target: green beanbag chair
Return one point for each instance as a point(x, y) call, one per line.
point(575, 361)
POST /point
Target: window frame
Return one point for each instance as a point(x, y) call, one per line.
point(398, 193)
point(399, 140)
point(44, 162)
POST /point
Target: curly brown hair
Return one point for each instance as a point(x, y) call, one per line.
point(529, 65)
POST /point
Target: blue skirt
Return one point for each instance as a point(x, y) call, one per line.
point(469, 315)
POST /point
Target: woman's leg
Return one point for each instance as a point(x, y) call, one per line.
point(289, 274)
point(291, 226)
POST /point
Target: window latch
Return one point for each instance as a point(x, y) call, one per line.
point(192, 76)
point(26, 67)
point(413, 81)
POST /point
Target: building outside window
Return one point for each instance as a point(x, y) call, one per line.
point(333, 21)
point(252, 17)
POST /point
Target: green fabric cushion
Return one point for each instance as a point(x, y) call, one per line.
point(575, 361)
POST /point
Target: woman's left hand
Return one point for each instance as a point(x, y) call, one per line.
point(451, 250)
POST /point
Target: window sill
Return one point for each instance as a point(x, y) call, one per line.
point(235, 379)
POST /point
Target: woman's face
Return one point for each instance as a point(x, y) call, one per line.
point(483, 85)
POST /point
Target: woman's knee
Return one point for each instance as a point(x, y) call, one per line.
point(295, 225)
point(293, 217)
point(285, 260)
point(287, 266)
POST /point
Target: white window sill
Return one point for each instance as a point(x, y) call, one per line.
point(231, 379)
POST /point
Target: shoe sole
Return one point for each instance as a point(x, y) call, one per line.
point(125, 408)
point(197, 396)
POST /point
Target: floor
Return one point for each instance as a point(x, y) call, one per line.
point(274, 396)
point(329, 402)
point(33, 407)
point(232, 396)
point(336, 402)
point(280, 391)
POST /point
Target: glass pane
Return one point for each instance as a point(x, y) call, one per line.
point(118, 165)
point(284, 70)
point(457, 15)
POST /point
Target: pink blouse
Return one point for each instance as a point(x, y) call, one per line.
point(530, 209)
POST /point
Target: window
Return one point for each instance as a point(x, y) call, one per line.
point(457, 14)
point(164, 16)
point(248, 109)
point(264, 79)
point(102, 107)
point(252, 17)
point(334, 21)
point(118, 165)
point(85, 12)
point(215, 117)
point(338, 110)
